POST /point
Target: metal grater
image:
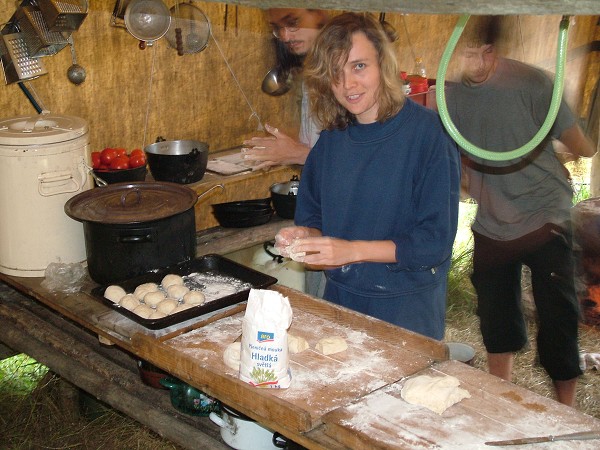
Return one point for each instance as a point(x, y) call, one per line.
point(16, 62)
point(63, 15)
point(39, 39)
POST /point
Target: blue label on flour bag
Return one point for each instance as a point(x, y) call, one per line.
point(265, 337)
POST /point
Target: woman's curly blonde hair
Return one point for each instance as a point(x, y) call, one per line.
point(330, 51)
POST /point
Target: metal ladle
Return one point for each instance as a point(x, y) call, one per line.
point(75, 73)
point(276, 82)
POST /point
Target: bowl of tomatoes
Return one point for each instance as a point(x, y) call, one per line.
point(116, 165)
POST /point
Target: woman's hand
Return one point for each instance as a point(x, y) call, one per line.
point(275, 150)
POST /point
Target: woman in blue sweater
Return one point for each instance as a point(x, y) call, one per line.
point(378, 199)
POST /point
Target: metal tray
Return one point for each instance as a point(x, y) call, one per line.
point(210, 265)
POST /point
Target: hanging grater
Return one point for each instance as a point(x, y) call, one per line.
point(16, 62)
point(40, 41)
point(63, 15)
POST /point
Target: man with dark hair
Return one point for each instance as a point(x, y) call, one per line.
point(296, 29)
point(523, 214)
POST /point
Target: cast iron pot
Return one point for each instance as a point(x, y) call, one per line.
point(132, 228)
point(284, 197)
point(180, 162)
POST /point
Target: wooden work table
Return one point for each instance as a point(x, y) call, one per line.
point(347, 400)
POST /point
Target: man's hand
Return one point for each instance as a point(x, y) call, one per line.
point(277, 149)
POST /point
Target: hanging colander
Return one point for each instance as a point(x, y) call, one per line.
point(147, 20)
point(190, 29)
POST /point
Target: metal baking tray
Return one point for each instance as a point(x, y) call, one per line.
point(208, 265)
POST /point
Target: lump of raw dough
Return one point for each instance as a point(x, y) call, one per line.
point(167, 305)
point(143, 289)
point(143, 311)
point(154, 298)
point(129, 302)
point(157, 314)
point(114, 293)
point(232, 355)
point(170, 280)
point(296, 344)
point(177, 291)
point(182, 307)
point(331, 345)
point(434, 393)
point(194, 298)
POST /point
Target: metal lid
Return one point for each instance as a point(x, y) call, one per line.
point(41, 129)
point(130, 203)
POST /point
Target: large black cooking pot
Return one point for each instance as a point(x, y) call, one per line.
point(181, 162)
point(133, 228)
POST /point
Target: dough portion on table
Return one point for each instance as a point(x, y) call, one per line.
point(331, 345)
point(297, 344)
point(232, 355)
point(434, 393)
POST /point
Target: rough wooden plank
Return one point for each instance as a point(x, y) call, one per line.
point(378, 354)
point(496, 410)
point(437, 6)
point(67, 356)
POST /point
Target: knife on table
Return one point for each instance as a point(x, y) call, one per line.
point(583, 435)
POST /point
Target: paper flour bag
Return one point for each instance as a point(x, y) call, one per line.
point(264, 358)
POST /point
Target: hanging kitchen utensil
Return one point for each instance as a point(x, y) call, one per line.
point(39, 39)
point(75, 73)
point(190, 30)
point(63, 15)
point(15, 60)
point(147, 20)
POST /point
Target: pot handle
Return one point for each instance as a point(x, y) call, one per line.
point(222, 423)
point(214, 187)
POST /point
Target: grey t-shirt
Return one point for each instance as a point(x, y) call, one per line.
point(518, 196)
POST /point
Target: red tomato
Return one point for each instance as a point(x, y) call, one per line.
point(137, 160)
point(96, 160)
point(107, 155)
point(137, 151)
point(121, 151)
point(119, 163)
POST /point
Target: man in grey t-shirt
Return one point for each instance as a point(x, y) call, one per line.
point(523, 206)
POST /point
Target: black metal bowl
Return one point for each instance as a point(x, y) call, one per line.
point(122, 175)
point(182, 162)
point(243, 220)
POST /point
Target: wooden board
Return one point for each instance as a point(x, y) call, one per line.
point(320, 383)
point(497, 410)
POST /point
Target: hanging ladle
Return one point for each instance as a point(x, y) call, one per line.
point(75, 73)
point(277, 81)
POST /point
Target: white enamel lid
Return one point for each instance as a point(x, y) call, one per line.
point(40, 129)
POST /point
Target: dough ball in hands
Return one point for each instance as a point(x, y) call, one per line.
point(167, 305)
point(194, 298)
point(177, 291)
point(154, 298)
point(144, 311)
point(331, 345)
point(297, 344)
point(114, 293)
point(170, 280)
point(143, 289)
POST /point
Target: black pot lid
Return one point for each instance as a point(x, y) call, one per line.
point(127, 203)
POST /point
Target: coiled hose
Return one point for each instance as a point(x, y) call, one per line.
point(552, 112)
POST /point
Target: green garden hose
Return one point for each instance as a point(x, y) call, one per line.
point(552, 112)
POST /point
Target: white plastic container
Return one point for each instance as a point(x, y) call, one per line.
point(42, 165)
